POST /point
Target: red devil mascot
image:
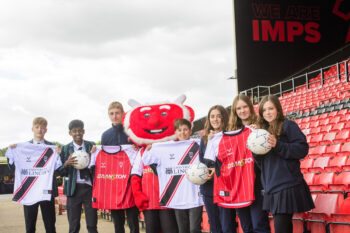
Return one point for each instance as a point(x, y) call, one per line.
point(146, 124)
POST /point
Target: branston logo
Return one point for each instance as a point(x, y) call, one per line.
point(112, 176)
point(240, 163)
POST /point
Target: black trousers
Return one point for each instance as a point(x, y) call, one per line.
point(132, 215)
point(160, 220)
point(82, 196)
point(189, 220)
point(47, 212)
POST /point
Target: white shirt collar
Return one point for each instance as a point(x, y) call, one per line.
point(38, 142)
point(76, 146)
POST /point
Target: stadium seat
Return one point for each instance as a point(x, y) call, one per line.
point(314, 131)
point(319, 164)
point(323, 116)
point(336, 164)
point(328, 138)
point(298, 121)
point(305, 120)
point(342, 112)
point(337, 127)
point(305, 164)
point(334, 120)
point(347, 125)
point(332, 150)
point(309, 178)
point(314, 124)
point(304, 125)
point(325, 205)
point(345, 150)
point(325, 128)
point(314, 118)
point(342, 136)
point(341, 183)
point(316, 139)
point(345, 118)
point(316, 151)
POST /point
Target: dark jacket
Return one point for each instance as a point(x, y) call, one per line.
point(70, 172)
point(206, 188)
point(115, 136)
point(280, 168)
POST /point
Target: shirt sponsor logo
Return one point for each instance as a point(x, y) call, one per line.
point(112, 176)
point(240, 163)
point(177, 170)
point(147, 170)
point(34, 171)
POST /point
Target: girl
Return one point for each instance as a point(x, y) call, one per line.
point(253, 218)
point(222, 220)
point(286, 191)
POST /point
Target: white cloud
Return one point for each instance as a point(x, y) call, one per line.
point(68, 59)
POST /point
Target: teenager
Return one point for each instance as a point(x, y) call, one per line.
point(220, 219)
point(286, 191)
point(253, 218)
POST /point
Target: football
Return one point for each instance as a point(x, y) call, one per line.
point(258, 142)
point(197, 173)
point(82, 158)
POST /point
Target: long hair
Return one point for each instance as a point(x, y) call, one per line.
point(208, 126)
point(235, 122)
point(276, 126)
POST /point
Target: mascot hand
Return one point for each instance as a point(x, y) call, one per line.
point(141, 200)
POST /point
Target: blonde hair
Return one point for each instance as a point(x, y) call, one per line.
point(116, 104)
point(276, 126)
point(235, 122)
point(40, 121)
point(208, 127)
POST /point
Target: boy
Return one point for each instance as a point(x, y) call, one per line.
point(47, 207)
point(78, 183)
point(172, 159)
point(112, 137)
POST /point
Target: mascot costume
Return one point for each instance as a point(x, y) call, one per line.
point(146, 124)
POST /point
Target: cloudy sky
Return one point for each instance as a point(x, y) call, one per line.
point(68, 59)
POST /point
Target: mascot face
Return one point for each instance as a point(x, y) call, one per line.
point(151, 123)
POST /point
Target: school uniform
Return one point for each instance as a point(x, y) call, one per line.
point(112, 137)
point(78, 189)
point(286, 191)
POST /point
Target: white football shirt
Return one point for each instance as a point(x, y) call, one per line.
point(35, 166)
point(173, 158)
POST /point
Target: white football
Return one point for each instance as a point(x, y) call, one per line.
point(82, 158)
point(197, 173)
point(258, 141)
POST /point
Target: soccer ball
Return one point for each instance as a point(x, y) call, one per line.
point(258, 142)
point(82, 158)
point(197, 173)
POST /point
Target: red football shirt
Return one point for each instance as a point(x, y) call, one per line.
point(234, 177)
point(111, 187)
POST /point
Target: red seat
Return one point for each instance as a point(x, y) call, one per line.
point(324, 122)
point(347, 125)
point(304, 125)
point(326, 204)
point(326, 128)
point(337, 127)
point(345, 118)
point(316, 139)
point(331, 115)
point(315, 130)
point(305, 164)
point(309, 178)
point(342, 136)
point(335, 120)
point(317, 151)
point(298, 121)
point(336, 164)
point(332, 150)
point(343, 112)
point(345, 150)
point(305, 120)
point(314, 124)
point(341, 182)
point(328, 138)
point(319, 164)
point(314, 118)
point(323, 116)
